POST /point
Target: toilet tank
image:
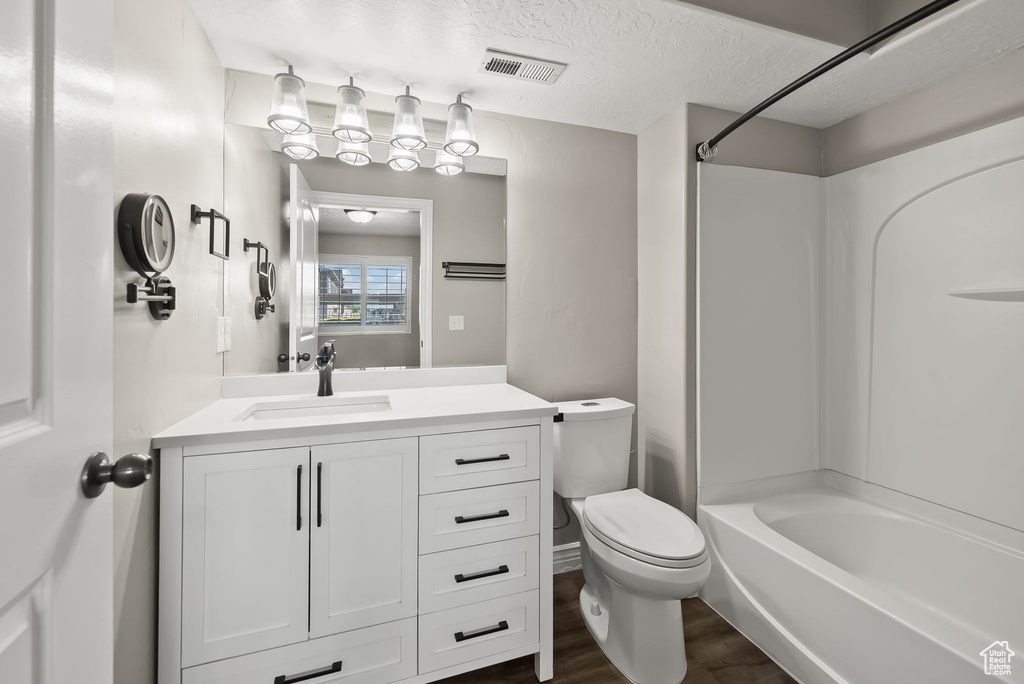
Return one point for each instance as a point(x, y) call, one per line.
point(591, 446)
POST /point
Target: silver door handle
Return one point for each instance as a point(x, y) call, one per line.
point(129, 471)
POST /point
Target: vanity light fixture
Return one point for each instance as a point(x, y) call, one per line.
point(403, 160)
point(350, 122)
point(448, 164)
point(407, 133)
point(288, 113)
point(356, 154)
point(460, 137)
point(360, 215)
point(300, 146)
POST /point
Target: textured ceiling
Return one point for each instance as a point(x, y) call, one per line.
point(630, 61)
point(387, 223)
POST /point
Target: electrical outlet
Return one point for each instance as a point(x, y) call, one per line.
point(456, 323)
point(223, 334)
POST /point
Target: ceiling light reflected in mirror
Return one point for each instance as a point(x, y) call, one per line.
point(360, 215)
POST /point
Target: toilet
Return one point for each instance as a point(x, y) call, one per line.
point(640, 556)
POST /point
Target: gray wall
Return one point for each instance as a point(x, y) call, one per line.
point(977, 98)
point(256, 200)
point(572, 280)
point(168, 139)
point(393, 349)
point(469, 225)
point(843, 22)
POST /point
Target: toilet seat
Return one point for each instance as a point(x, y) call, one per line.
point(645, 529)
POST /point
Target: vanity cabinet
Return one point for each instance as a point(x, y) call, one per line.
point(363, 539)
point(245, 553)
point(374, 558)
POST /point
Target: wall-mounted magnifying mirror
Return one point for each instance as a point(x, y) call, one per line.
point(145, 231)
point(268, 281)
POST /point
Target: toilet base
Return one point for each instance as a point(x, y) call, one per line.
point(643, 637)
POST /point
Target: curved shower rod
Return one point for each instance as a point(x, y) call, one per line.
point(706, 150)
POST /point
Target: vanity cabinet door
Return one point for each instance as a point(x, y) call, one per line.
point(245, 553)
point(363, 534)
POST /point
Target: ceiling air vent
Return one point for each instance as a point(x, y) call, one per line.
point(521, 67)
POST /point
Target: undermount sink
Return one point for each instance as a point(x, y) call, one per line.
point(315, 406)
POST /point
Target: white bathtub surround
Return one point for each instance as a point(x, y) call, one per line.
point(866, 325)
point(408, 541)
point(758, 278)
point(820, 569)
point(924, 388)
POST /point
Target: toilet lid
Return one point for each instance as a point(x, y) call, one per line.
point(636, 522)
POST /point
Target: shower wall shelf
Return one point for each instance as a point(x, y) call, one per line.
point(1006, 294)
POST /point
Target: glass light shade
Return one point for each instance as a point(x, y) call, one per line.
point(356, 154)
point(288, 113)
point(300, 146)
point(360, 215)
point(460, 137)
point(407, 133)
point(403, 160)
point(448, 164)
point(350, 122)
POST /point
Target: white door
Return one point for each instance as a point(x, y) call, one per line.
point(56, 275)
point(305, 219)
point(363, 538)
point(245, 553)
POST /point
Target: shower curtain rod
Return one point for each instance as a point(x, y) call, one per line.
point(707, 150)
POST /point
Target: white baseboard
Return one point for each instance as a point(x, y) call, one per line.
point(567, 558)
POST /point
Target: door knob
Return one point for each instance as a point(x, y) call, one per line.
point(129, 471)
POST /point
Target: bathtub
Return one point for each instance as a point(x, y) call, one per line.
point(842, 581)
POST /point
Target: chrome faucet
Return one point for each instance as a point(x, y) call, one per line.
point(325, 364)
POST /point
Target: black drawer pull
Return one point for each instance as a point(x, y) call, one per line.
point(319, 494)
point(459, 519)
point(486, 459)
point(501, 570)
point(283, 679)
point(298, 500)
point(462, 636)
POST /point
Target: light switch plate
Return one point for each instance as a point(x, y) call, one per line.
point(223, 334)
point(456, 323)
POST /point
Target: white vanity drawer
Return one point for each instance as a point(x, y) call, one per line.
point(374, 655)
point(478, 459)
point(455, 578)
point(477, 516)
point(478, 630)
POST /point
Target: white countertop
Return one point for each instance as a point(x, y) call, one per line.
point(410, 408)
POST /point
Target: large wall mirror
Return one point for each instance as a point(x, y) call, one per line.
point(358, 254)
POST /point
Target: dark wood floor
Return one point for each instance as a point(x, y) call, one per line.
point(715, 652)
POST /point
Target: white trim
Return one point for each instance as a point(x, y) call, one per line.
point(426, 209)
point(566, 558)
